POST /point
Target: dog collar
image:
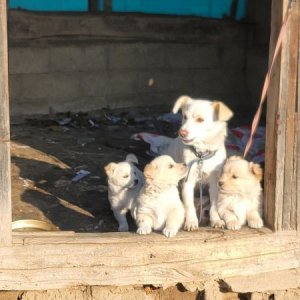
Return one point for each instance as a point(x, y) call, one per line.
point(203, 155)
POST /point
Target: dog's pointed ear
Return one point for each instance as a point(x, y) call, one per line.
point(180, 102)
point(149, 171)
point(222, 112)
point(109, 169)
point(132, 158)
point(256, 170)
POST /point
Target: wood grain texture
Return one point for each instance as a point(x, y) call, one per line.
point(281, 140)
point(5, 174)
point(271, 120)
point(297, 208)
point(129, 259)
point(290, 80)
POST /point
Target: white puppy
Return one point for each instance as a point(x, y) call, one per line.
point(125, 181)
point(240, 194)
point(201, 146)
point(159, 206)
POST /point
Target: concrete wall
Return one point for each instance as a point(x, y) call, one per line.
point(77, 63)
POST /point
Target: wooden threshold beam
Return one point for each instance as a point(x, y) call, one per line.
point(42, 261)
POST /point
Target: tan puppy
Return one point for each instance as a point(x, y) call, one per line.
point(240, 194)
point(125, 181)
point(201, 146)
point(158, 205)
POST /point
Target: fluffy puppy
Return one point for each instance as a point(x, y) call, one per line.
point(125, 181)
point(201, 146)
point(158, 205)
point(240, 194)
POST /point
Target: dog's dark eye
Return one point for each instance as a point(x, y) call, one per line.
point(234, 177)
point(184, 117)
point(171, 166)
point(125, 176)
point(199, 120)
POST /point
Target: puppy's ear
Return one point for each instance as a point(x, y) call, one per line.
point(132, 158)
point(109, 169)
point(180, 102)
point(256, 170)
point(222, 112)
point(149, 171)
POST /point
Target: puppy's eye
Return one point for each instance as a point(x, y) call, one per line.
point(184, 117)
point(199, 120)
point(125, 176)
point(234, 177)
point(171, 166)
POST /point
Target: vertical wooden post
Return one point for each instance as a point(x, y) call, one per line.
point(297, 151)
point(281, 140)
point(5, 174)
point(107, 6)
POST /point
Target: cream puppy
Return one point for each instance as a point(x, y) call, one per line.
point(201, 146)
point(240, 194)
point(125, 181)
point(159, 206)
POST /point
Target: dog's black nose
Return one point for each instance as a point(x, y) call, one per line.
point(136, 181)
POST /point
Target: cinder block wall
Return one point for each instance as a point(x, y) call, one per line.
point(61, 63)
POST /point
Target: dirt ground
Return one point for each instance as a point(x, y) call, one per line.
point(48, 152)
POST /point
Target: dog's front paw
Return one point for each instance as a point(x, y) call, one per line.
point(256, 223)
point(144, 230)
point(233, 225)
point(123, 228)
point(217, 224)
point(169, 232)
point(191, 225)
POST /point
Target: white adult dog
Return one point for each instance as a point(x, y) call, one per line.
point(201, 146)
point(159, 206)
point(125, 181)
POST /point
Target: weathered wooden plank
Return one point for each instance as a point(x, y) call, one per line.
point(150, 259)
point(5, 177)
point(108, 6)
point(297, 208)
point(203, 235)
point(290, 79)
point(271, 120)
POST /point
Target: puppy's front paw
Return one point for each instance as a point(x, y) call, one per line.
point(255, 223)
point(169, 232)
point(233, 225)
point(123, 228)
point(144, 230)
point(217, 224)
point(191, 225)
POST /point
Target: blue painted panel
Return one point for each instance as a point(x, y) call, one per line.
point(203, 8)
point(50, 5)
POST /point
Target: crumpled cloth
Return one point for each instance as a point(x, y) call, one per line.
point(235, 142)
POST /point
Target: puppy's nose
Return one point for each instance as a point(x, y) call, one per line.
point(136, 181)
point(183, 133)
